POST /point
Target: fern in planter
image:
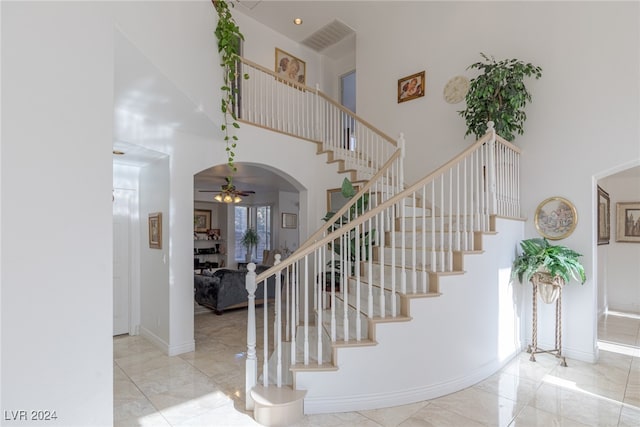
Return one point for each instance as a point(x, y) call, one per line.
point(229, 39)
point(557, 260)
point(498, 95)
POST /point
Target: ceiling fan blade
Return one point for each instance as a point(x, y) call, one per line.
point(210, 191)
point(246, 193)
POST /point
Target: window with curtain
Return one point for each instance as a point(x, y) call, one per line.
point(258, 217)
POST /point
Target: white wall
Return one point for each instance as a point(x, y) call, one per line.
point(287, 237)
point(621, 258)
point(260, 44)
point(585, 103)
point(154, 263)
point(56, 261)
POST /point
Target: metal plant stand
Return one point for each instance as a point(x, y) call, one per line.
point(533, 348)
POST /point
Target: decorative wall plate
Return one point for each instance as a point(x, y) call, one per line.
point(556, 218)
point(456, 89)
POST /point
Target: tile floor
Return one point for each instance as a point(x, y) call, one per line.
point(205, 387)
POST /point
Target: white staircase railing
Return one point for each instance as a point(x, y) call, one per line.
point(355, 271)
point(271, 101)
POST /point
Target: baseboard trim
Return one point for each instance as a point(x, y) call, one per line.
point(154, 339)
point(187, 347)
point(322, 405)
point(171, 350)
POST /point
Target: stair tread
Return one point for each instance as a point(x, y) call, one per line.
point(274, 396)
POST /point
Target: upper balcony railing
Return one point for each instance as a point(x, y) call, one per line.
point(273, 102)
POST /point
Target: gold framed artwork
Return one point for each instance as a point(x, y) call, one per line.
point(290, 67)
point(289, 220)
point(556, 218)
point(628, 222)
point(201, 220)
point(335, 199)
point(155, 230)
point(411, 87)
point(604, 219)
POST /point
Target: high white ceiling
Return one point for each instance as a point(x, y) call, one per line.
point(145, 94)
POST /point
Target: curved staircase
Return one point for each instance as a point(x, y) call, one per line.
point(404, 294)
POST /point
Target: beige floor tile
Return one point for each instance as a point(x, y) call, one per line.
point(227, 416)
point(632, 396)
point(435, 416)
point(509, 386)
point(629, 416)
point(184, 403)
point(522, 367)
point(132, 409)
point(206, 386)
point(351, 419)
point(391, 417)
point(534, 417)
point(577, 405)
point(480, 406)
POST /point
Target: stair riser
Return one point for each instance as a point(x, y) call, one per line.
point(429, 225)
point(419, 255)
point(410, 277)
point(375, 296)
point(442, 240)
point(339, 319)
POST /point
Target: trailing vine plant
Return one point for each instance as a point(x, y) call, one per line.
point(498, 95)
point(229, 39)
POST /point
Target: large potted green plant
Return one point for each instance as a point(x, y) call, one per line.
point(498, 95)
point(250, 240)
point(547, 266)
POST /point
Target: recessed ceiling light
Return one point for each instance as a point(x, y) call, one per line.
point(118, 152)
point(297, 21)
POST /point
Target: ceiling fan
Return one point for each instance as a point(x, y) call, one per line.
point(228, 193)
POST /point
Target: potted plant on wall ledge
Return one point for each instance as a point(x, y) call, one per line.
point(498, 95)
point(547, 266)
point(250, 240)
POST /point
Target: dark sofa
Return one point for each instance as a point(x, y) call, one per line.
point(221, 289)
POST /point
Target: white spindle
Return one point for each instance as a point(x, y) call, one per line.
point(306, 309)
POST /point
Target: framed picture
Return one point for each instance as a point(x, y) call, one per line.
point(201, 220)
point(214, 234)
point(628, 222)
point(411, 87)
point(289, 220)
point(335, 199)
point(556, 218)
point(155, 230)
point(290, 67)
point(604, 219)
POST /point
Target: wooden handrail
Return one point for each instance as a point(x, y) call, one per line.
point(303, 251)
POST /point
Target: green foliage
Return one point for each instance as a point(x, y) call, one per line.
point(498, 95)
point(365, 239)
point(558, 260)
point(361, 205)
point(250, 239)
point(229, 38)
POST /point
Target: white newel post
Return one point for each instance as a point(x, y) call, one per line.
point(493, 208)
point(251, 365)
